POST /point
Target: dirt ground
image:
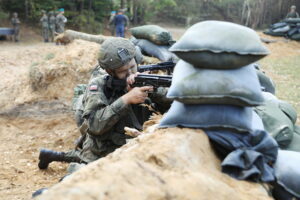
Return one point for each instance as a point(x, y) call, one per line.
point(30, 120)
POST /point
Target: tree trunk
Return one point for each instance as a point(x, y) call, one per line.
point(26, 10)
point(135, 12)
point(81, 6)
point(89, 11)
point(123, 2)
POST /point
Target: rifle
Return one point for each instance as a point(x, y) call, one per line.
point(152, 80)
point(169, 66)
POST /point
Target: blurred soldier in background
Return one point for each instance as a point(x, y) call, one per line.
point(52, 22)
point(16, 26)
point(45, 26)
point(60, 21)
point(121, 22)
point(292, 13)
point(111, 25)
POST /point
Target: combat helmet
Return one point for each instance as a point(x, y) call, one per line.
point(115, 53)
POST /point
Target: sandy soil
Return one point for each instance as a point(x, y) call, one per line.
point(32, 119)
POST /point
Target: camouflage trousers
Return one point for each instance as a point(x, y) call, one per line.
point(45, 34)
point(16, 35)
point(51, 34)
point(92, 149)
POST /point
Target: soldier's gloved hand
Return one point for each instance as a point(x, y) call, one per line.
point(137, 95)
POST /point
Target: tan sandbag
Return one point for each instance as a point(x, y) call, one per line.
point(153, 33)
point(70, 35)
point(219, 45)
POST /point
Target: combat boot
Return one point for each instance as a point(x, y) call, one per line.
point(47, 156)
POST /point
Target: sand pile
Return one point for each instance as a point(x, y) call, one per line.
point(51, 75)
point(166, 164)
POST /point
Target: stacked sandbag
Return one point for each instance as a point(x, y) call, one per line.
point(153, 41)
point(267, 84)
point(214, 87)
point(279, 119)
point(287, 172)
point(289, 28)
point(153, 33)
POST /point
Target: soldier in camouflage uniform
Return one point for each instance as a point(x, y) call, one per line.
point(109, 107)
point(16, 26)
point(111, 25)
point(61, 20)
point(292, 13)
point(45, 26)
point(52, 22)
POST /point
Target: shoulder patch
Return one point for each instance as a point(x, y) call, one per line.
point(93, 88)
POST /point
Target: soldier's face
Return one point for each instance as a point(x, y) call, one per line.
point(126, 70)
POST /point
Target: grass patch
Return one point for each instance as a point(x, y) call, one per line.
point(49, 56)
point(34, 64)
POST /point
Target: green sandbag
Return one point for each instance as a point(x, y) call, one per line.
point(270, 32)
point(276, 123)
point(238, 87)
point(267, 83)
point(153, 33)
point(295, 144)
point(219, 45)
point(296, 37)
point(292, 20)
point(289, 110)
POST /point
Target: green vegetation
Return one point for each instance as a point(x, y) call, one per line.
point(49, 56)
point(90, 15)
point(83, 15)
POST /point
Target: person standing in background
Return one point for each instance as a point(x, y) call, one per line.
point(121, 22)
point(111, 25)
point(16, 26)
point(292, 13)
point(61, 20)
point(45, 26)
point(52, 21)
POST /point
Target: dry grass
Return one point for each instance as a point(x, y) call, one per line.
point(283, 66)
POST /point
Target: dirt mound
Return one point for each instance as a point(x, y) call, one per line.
point(167, 164)
point(21, 139)
point(47, 73)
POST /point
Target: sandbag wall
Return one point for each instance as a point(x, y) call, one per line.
point(153, 41)
point(214, 87)
point(289, 28)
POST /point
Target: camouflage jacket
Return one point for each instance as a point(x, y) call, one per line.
point(52, 21)
point(15, 22)
point(106, 114)
point(292, 15)
point(44, 21)
point(60, 23)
